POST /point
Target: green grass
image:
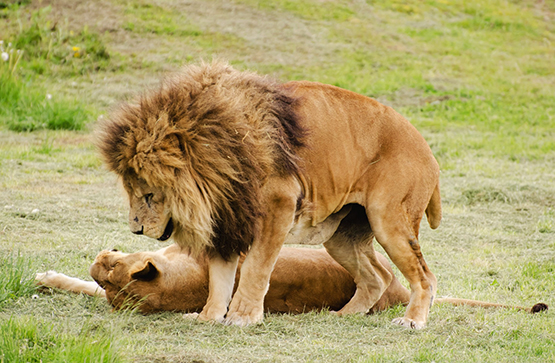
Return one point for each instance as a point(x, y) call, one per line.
point(145, 18)
point(16, 279)
point(52, 47)
point(24, 107)
point(475, 77)
point(311, 10)
point(28, 339)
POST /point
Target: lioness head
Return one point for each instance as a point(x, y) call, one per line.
point(154, 281)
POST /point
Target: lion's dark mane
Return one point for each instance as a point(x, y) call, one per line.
point(215, 129)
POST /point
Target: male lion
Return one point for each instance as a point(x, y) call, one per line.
point(229, 161)
point(169, 280)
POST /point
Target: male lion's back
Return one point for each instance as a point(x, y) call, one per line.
point(353, 143)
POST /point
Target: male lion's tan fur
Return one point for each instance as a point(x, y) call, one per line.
point(231, 161)
point(169, 280)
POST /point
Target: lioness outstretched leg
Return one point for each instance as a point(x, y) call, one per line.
point(351, 246)
point(399, 239)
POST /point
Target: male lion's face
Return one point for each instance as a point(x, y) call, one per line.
point(149, 211)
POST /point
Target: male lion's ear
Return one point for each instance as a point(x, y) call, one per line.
point(148, 273)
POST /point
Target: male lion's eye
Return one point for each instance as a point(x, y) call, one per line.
point(148, 198)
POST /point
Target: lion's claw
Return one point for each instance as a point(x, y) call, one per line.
point(409, 323)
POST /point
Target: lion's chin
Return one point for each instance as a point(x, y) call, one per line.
point(167, 232)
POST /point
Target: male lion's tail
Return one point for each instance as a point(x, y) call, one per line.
point(433, 210)
point(457, 302)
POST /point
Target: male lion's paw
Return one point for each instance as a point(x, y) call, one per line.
point(244, 311)
point(191, 316)
point(202, 318)
point(409, 323)
point(218, 318)
point(243, 319)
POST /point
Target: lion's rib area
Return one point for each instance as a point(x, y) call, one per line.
point(209, 136)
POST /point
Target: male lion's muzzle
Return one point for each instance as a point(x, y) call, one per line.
point(167, 232)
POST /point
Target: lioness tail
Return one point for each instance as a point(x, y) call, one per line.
point(458, 302)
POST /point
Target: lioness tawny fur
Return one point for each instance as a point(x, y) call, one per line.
point(170, 280)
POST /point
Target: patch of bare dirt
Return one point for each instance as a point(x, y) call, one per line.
point(101, 15)
point(271, 38)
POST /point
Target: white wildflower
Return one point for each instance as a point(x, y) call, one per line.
point(5, 56)
point(48, 96)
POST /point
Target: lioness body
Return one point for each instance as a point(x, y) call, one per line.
point(170, 280)
point(229, 161)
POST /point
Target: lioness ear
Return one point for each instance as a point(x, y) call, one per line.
point(148, 273)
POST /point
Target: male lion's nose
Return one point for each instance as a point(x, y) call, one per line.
point(139, 232)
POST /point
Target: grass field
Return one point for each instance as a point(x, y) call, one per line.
point(476, 77)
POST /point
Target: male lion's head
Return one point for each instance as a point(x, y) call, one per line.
point(194, 154)
point(150, 208)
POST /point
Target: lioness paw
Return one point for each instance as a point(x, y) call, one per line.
point(409, 323)
point(39, 276)
point(45, 278)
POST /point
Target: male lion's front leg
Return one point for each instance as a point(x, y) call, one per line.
point(221, 275)
point(247, 306)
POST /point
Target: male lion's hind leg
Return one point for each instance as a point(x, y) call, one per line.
point(351, 246)
point(221, 275)
point(395, 236)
